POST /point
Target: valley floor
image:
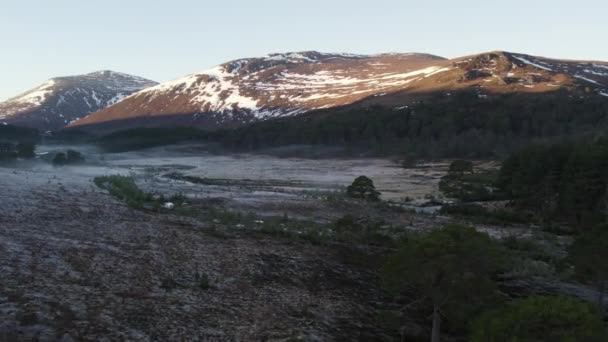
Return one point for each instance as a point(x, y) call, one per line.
point(76, 264)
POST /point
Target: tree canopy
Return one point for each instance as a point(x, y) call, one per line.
point(539, 319)
point(363, 188)
point(589, 254)
point(451, 266)
point(565, 183)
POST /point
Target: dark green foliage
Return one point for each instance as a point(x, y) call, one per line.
point(539, 319)
point(480, 214)
point(60, 159)
point(140, 138)
point(533, 256)
point(7, 151)
point(204, 283)
point(350, 230)
point(457, 126)
point(363, 188)
point(26, 150)
point(461, 125)
point(69, 158)
point(10, 151)
point(69, 136)
point(124, 188)
point(589, 254)
point(470, 187)
point(15, 134)
point(452, 267)
point(559, 183)
point(460, 167)
point(74, 157)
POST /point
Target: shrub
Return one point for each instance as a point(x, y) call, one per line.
point(74, 157)
point(588, 253)
point(479, 213)
point(363, 188)
point(7, 151)
point(70, 157)
point(551, 319)
point(26, 150)
point(460, 167)
point(124, 188)
point(60, 159)
point(204, 283)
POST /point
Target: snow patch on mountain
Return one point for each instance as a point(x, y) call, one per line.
point(586, 79)
point(537, 65)
point(36, 96)
point(287, 84)
point(63, 99)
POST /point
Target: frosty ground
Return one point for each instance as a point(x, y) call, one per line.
point(79, 265)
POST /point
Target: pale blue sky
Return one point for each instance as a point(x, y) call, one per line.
point(163, 40)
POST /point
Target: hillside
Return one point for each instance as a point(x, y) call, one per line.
point(61, 100)
point(285, 85)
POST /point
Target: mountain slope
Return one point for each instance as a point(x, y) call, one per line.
point(278, 85)
point(57, 102)
point(283, 85)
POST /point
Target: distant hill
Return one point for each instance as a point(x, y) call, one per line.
point(59, 101)
point(291, 84)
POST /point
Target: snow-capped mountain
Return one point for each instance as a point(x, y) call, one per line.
point(281, 85)
point(277, 85)
point(58, 101)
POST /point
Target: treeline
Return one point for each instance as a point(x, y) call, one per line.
point(563, 182)
point(139, 138)
point(10, 151)
point(15, 134)
point(460, 125)
point(17, 142)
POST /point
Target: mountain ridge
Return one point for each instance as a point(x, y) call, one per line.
point(281, 85)
point(60, 100)
point(247, 90)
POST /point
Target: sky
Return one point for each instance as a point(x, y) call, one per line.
point(164, 40)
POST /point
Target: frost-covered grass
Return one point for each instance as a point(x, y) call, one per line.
point(124, 188)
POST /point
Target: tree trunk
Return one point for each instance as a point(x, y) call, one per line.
point(436, 334)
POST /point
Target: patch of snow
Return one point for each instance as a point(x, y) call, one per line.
point(521, 59)
point(36, 96)
point(595, 72)
point(119, 97)
point(586, 79)
point(97, 100)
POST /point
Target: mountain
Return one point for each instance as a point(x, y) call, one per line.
point(289, 84)
point(277, 85)
point(57, 102)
